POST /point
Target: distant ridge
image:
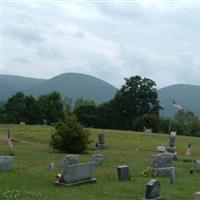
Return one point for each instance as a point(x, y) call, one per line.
point(77, 85)
point(10, 84)
point(186, 95)
point(72, 85)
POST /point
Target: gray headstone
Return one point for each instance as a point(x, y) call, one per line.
point(101, 142)
point(101, 139)
point(52, 166)
point(197, 165)
point(162, 160)
point(197, 196)
point(123, 173)
point(77, 174)
point(173, 175)
point(70, 160)
point(6, 163)
point(152, 190)
point(97, 159)
point(148, 130)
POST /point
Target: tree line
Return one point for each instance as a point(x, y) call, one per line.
point(135, 106)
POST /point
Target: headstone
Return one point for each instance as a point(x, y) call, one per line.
point(97, 159)
point(52, 166)
point(161, 149)
point(77, 174)
point(148, 130)
point(162, 160)
point(173, 175)
point(189, 150)
point(172, 143)
point(101, 138)
point(101, 142)
point(162, 164)
point(22, 123)
point(197, 196)
point(123, 173)
point(152, 191)
point(70, 160)
point(6, 163)
point(197, 165)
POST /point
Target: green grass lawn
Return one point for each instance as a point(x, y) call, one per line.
point(30, 178)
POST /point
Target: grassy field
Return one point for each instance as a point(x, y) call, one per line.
point(30, 178)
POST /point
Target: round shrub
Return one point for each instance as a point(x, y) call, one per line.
point(70, 137)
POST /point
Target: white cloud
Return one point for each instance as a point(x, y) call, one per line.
point(156, 39)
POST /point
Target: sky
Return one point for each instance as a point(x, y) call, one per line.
point(110, 40)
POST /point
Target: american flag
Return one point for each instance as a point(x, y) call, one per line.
point(176, 105)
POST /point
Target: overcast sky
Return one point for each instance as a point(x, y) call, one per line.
point(110, 40)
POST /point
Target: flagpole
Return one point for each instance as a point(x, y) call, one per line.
point(170, 123)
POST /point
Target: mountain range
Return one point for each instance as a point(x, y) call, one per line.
point(76, 85)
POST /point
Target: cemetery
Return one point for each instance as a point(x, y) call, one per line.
point(35, 171)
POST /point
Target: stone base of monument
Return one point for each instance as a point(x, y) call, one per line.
point(175, 157)
point(6, 163)
point(171, 149)
point(164, 171)
point(92, 180)
point(101, 146)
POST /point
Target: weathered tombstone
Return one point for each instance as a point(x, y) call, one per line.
point(189, 150)
point(97, 159)
point(197, 196)
point(161, 149)
point(197, 165)
point(172, 143)
point(22, 123)
point(101, 142)
point(52, 166)
point(148, 130)
point(70, 160)
point(152, 191)
point(162, 160)
point(173, 175)
point(6, 163)
point(162, 164)
point(123, 173)
point(77, 174)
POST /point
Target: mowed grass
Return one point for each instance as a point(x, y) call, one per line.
point(30, 178)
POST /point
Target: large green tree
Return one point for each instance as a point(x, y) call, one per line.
point(14, 108)
point(31, 112)
point(51, 107)
point(138, 96)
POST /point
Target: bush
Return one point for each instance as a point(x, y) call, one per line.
point(70, 137)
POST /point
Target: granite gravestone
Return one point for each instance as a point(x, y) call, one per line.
point(172, 175)
point(123, 173)
point(77, 174)
point(97, 159)
point(197, 196)
point(172, 143)
point(6, 163)
point(152, 191)
point(197, 165)
point(52, 166)
point(162, 164)
point(101, 142)
point(70, 160)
